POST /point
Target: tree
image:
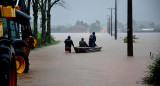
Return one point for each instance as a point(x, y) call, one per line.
point(157, 28)
point(43, 5)
point(78, 22)
point(28, 6)
point(152, 25)
point(95, 27)
point(50, 5)
point(45, 9)
point(35, 15)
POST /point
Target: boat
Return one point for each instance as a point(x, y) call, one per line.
point(87, 49)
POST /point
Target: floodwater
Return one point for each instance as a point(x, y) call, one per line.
point(51, 66)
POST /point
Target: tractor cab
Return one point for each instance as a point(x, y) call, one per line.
point(4, 31)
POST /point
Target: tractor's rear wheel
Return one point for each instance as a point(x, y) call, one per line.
point(8, 74)
point(13, 73)
point(22, 61)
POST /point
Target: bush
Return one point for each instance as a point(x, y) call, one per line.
point(40, 44)
point(153, 76)
point(53, 41)
point(125, 39)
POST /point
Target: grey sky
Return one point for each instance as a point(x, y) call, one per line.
point(91, 10)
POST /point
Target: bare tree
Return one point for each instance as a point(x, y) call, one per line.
point(50, 5)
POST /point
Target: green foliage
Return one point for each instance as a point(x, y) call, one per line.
point(38, 39)
point(153, 76)
point(40, 44)
point(125, 40)
point(134, 38)
point(53, 41)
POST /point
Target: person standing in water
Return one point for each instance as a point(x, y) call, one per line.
point(68, 42)
point(92, 40)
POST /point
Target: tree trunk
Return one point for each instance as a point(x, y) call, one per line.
point(49, 22)
point(43, 25)
point(50, 5)
point(35, 22)
point(48, 26)
point(35, 14)
point(28, 7)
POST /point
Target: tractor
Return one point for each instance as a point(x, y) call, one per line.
point(16, 41)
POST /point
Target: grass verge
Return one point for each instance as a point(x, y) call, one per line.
point(40, 44)
point(153, 73)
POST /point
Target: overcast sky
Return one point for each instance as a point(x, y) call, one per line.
point(92, 10)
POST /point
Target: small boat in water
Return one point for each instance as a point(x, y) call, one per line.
point(86, 49)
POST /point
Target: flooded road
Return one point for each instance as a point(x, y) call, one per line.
point(51, 66)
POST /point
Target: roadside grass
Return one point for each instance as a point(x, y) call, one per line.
point(41, 45)
point(153, 73)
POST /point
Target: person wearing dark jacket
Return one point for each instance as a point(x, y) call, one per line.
point(68, 42)
point(92, 40)
point(82, 43)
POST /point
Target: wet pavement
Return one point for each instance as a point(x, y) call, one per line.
point(51, 66)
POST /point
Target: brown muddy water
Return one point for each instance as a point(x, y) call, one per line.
point(51, 66)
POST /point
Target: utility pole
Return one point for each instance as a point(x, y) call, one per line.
point(115, 19)
point(129, 30)
point(111, 19)
point(108, 24)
